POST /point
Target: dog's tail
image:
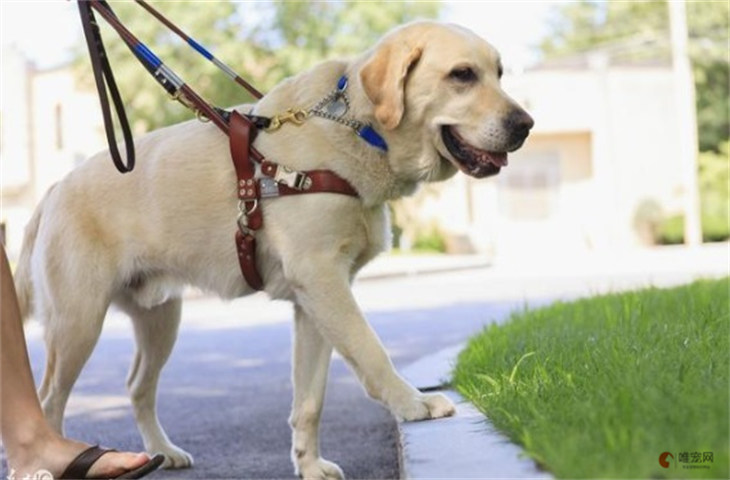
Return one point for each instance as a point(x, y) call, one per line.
point(23, 273)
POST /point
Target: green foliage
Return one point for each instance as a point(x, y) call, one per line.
point(410, 230)
point(582, 25)
point(671, 231)
point(714, 179)
point(301, 34)
point(288, 38)
point(714, 229)
point(709, 27)
point(632, 31)
point(600, 387)
point(430, 240)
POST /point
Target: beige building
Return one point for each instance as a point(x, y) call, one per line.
point(604, 154)
point(48, 126)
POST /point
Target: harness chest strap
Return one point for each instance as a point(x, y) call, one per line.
point(276, 181)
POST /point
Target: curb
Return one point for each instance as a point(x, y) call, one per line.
point(394, 266)
point(463, 446)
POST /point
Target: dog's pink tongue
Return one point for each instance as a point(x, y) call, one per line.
point(499, 158)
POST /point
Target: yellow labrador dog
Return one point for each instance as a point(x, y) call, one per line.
point(431, 91)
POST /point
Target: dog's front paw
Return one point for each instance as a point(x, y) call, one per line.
point(427, 406)
point(320, 469)
point(439, 405)
point(175, 457)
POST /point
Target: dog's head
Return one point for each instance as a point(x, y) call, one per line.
point(436, 91)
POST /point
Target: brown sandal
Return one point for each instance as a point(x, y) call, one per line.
point(80, 466)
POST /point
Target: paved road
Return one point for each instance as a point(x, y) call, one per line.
point(225, 393)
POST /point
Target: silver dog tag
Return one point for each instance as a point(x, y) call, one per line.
point(337, 107)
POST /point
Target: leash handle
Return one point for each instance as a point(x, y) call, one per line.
point(104, 79)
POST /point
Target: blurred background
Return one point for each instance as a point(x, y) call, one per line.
point(630, 99)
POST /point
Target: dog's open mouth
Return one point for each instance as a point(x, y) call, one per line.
point(472, 160)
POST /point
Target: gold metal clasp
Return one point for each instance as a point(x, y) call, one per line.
point(179, 96)
point(297, 117)
point(201, 116)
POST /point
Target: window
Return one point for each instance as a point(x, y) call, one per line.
point(529, 186)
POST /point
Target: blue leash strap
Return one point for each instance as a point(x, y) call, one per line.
point(230, 73)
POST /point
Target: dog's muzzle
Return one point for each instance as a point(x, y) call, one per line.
point(480, 163)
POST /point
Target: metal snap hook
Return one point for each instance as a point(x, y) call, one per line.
point(297, 117)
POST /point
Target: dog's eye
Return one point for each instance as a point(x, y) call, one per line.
point(463, 74)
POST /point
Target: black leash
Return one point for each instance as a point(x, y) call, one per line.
point(104, 79)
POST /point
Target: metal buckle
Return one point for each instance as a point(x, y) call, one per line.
point(243, 213)
point(292, 178)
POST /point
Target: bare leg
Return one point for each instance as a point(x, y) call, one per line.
point(30, 443)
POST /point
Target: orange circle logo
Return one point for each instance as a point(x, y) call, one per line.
point(663, 459)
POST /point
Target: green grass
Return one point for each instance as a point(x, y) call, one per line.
point(599, 388)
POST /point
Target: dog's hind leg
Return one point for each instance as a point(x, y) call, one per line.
point(70, 336)
point(310, 365)
point(48, 372)
point(155, 330)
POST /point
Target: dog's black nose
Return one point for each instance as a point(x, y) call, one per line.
point(518, 123)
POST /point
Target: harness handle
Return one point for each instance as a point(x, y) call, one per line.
point(104, 79)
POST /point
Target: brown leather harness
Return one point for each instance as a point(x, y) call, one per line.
point(273, 180)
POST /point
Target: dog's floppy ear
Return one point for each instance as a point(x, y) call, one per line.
point(383, 77)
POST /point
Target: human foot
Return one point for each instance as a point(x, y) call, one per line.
point(55, 455)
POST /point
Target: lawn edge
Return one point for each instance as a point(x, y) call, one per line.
point(466, 445)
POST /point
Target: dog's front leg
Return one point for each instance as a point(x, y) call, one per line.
point(323, 292)
point(310, 365)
